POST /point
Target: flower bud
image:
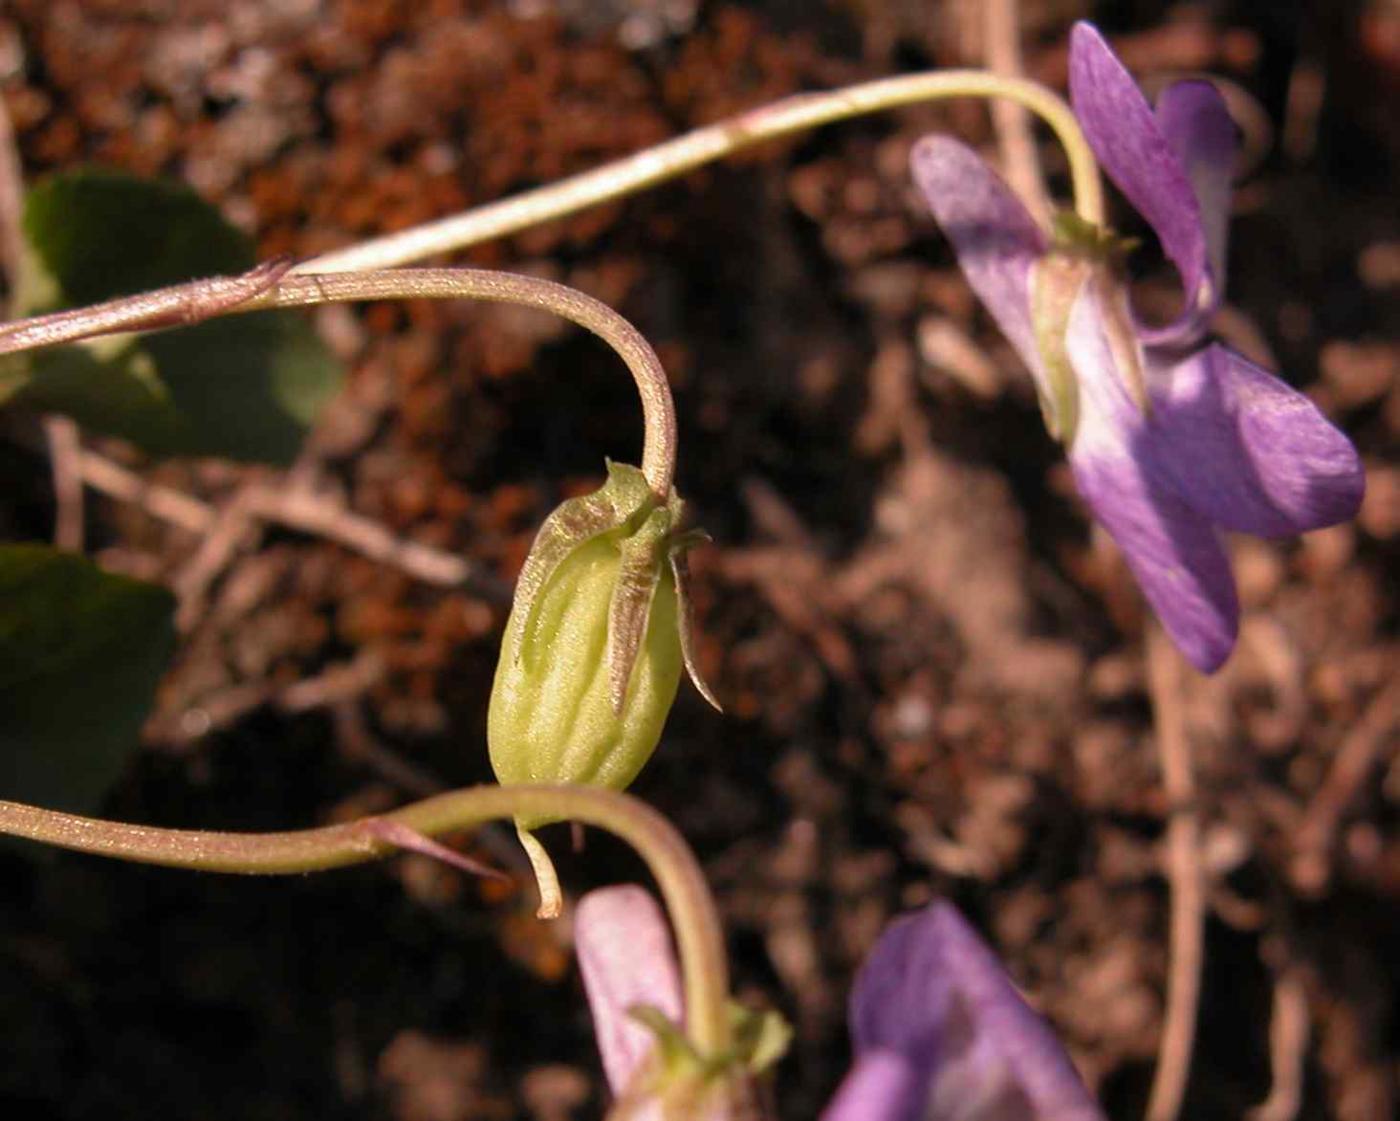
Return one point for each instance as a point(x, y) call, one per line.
point(594, 646)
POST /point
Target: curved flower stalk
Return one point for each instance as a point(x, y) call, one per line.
point(703, 973)
point(600, 623)
point(269, 285)
point(1170, 438)
point(939, 1030)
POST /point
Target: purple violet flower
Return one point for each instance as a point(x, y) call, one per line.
point(940, 1033)
point(1170, 438)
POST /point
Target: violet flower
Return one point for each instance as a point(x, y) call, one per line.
point(626, 959)
point(940, 1033)
point(1170, 438)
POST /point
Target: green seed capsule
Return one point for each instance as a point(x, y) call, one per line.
point(594, 646)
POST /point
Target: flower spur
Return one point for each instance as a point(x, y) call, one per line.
point(1170, 438)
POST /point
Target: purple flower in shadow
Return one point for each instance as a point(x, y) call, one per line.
point(940, 1033)
point(1170, 438)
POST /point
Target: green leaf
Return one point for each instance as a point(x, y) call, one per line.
point(81, 652)
point(245, 387)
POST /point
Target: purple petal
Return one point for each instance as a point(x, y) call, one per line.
point(1198, 126)
point(882, 1086)
point(996, 239)
point(933, 992)
point(1173, 551)
point(1137, 155)
point(626, 958)
point(1172, 548)
point(1248, 451)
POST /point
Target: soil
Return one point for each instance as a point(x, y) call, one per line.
point(933, 670)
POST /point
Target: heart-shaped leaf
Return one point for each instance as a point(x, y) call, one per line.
point(246, 387)
point(81, 652)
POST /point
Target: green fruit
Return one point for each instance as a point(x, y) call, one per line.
point(594, 646)
point(552, 717)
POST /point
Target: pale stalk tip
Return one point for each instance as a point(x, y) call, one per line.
point(546, 878)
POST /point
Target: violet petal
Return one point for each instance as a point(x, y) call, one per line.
point(1246, 450)
point(1128, 140)
point(1174, 552)
point(1172, 548)
point(626, 958)
point(1197, 125)
point(934, 993)
point(995, 238)
point(882, 1086)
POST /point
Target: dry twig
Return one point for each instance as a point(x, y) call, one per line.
point(230, 529)
point(11, 201)
point(1288, 1042)
point(1015, 137)
point(65, 452)
point(1356, 759)
point(335, 685)
point(301, 510)
point(166, 504)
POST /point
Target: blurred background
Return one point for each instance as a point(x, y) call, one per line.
point(934, 676)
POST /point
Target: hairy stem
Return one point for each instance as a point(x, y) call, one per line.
point(268, 286)
point(704, 145)
point(699, 937)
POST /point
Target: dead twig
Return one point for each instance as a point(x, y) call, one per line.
point(231, 529)
point(1316, 837)
point(166, 504)
point(319, 515)
point(1188, 902)
point(315, 514)
point(1288, 1043)
point(11, 202)
point(1015, 137)
point(65, 455)
point(335, 685)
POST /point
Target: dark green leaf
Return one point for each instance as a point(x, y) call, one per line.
point(246, 387)
point(81, 651)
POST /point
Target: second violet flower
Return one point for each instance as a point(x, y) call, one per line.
point(939, 1030)
point(1170, 438)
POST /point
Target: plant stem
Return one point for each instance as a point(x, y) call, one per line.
point(268, 286)
point(699, 936)
point(1188, 903)
point(704, 145)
